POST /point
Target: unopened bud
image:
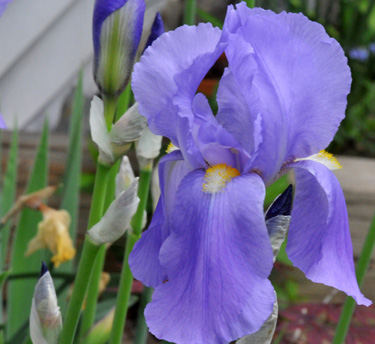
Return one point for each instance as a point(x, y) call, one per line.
point(45, 317)
point(117, 218)
point(157, 29)
point(117, 30)
point(278, 219)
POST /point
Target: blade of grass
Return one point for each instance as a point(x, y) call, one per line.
point(8, 193)
point(21, 292)
point(71, 186)
point(349, 305)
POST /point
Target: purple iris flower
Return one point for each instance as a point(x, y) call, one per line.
point(207, 252)
point(117, 30)
point(3, 5)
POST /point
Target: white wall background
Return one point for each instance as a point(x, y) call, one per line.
point(43, 45)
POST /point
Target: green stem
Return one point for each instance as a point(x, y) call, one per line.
point(349, 305)
point(250, 3)
point(88, 316)
point(190, 12)
point(88, 257)
point(109, 110)
point(141, 332)
point(126, 279)
point(80, 285)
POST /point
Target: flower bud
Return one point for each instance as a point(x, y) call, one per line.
point(147, 148)
point(117, 218)
point(45, 316)
point(117, 30)
point(157, 29)
point(278, 219)
point(114, 144)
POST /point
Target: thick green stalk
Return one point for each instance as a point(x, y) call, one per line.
point(190, 12)
point(126, 279)
point(123, 101)
point(349, 305)
point(141, 332)
point(88, 257)
point(80, 285)
point(88, 316)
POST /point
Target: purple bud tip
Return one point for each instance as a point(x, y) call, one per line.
point(157, 29)
point(282, 204)
point(43, 269)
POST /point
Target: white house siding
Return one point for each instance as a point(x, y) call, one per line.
point(43, 45)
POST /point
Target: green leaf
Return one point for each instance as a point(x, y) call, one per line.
point(21, 291)
point(72, 178)
point(8, 192)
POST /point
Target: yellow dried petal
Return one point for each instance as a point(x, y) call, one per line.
point(53, 233)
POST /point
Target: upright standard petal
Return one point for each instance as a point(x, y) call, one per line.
point(153, 80)
point(319, 239)
point(217, 260)
point(117, 30)
point(297, 73)
point(144, 259)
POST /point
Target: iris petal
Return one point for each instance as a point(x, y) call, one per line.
point(144, 259)
point(319, 239)
point(154, 82)
point(217, 260)
point(298, 74)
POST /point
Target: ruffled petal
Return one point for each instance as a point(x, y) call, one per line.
point(217, 260)
point(190, 52)
point(235, 114)
point(295, 74)
point(144, 259)
point(319, 239)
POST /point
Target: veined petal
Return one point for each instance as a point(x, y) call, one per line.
point(298, 74)
point(144, 259)
point(319, 239)
point(117, 30)
point(217, 260)
point(154, 85)
point(237, 114)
